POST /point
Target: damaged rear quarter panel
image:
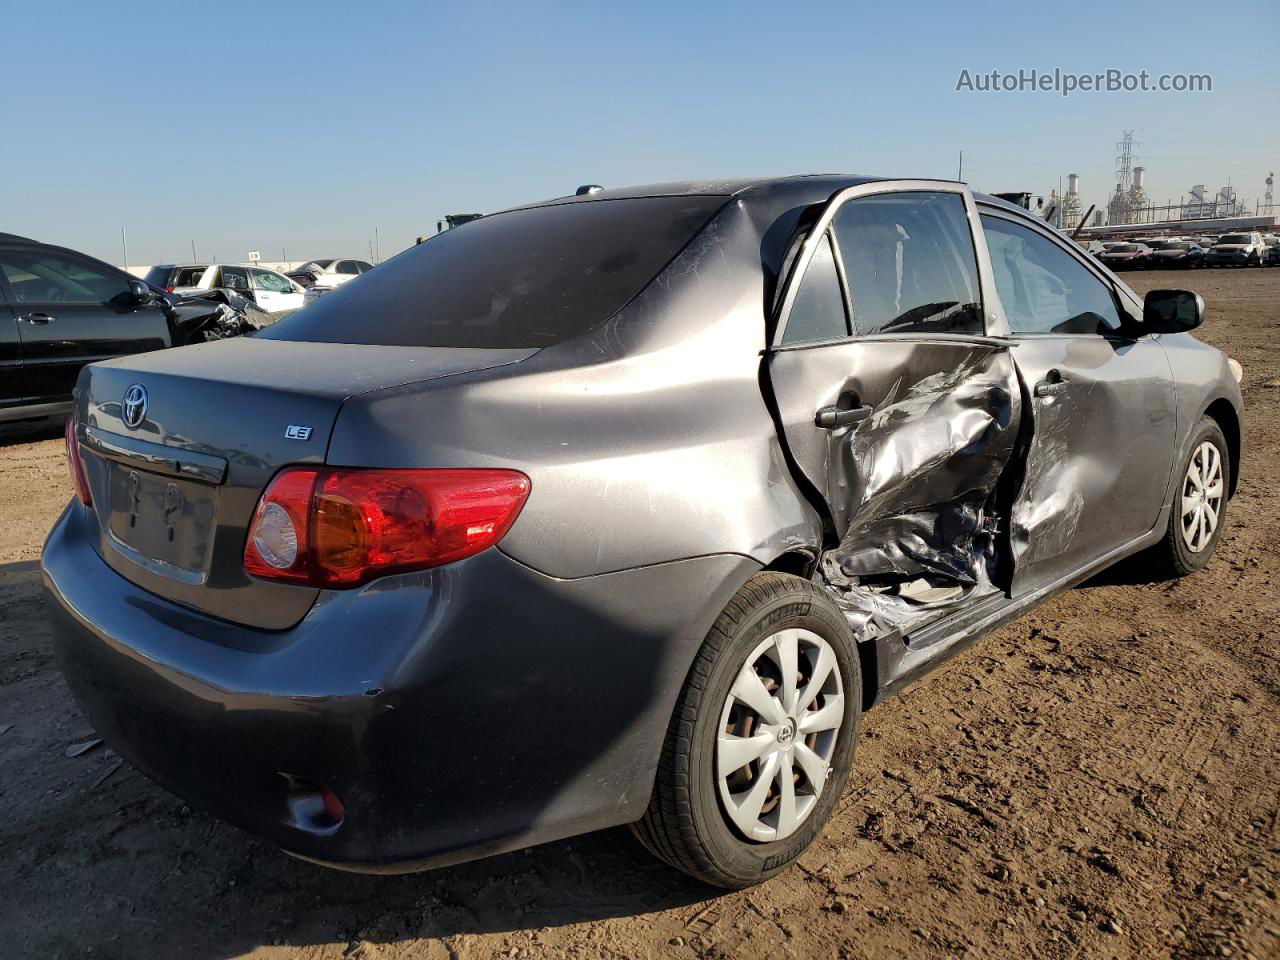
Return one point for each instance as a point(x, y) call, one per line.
point(646, 441)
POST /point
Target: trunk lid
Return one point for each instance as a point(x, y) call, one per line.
point(175, 487)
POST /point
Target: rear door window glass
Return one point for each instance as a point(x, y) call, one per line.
point(817, 313)
point(910, 263)
point(524, 278)
point(1043, 288)
point(235, 278)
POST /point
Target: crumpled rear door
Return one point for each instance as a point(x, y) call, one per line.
point(902, 426)
point(906, 484)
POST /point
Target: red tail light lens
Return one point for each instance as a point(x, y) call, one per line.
point(75, 464)
point(341, 527)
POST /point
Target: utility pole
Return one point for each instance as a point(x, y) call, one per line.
point(194, 258)
point(377, 246)
point(960, 172)
point(124, 246)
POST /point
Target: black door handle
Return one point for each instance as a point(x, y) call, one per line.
point(829, 418)
point(39, 318)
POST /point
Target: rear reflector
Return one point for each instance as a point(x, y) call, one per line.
point(75, 464)
point(341, 527)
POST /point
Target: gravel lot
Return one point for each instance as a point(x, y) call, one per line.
point(1099, 779)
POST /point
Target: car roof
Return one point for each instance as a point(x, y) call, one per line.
point(14, 238)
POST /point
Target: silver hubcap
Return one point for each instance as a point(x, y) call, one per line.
point(1201, 497)
point(777, 734)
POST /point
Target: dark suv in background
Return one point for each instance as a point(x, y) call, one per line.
point(60, 310)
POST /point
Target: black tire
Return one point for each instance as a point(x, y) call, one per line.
point(1172, 557)
point(685, 823)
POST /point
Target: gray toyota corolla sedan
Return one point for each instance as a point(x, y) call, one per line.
point(617, 509)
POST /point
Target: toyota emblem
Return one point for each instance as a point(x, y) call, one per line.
point(134, 407)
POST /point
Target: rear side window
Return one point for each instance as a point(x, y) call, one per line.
point(1043, 288)
point(234, 278)
point(525, 278)
point(817, 313)
point(910, 264)
point(158, 276)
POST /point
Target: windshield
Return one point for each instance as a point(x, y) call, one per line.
point(1168, 245)
point(525, 278)
point(1124, 248)
point(1235, 238)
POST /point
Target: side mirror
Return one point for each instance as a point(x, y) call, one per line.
point(1172, 311)
point(141, 293)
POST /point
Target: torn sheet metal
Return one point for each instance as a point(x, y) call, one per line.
point(876, 607)
point(214, 315)
point(921, 468)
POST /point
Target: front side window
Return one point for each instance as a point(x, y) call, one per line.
point(817, 312)
point(1043, 288)
point(910, 264)
point(39, 276)
point(272, 282)
point(347, 266)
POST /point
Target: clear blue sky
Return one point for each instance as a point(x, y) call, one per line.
point(303, 126)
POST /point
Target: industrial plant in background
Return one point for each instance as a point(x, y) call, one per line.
point(1129, 209)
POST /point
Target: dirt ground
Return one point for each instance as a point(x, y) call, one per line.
point(1099, 779)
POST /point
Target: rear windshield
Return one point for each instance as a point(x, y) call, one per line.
point(1235, 238)
point(526, 278)
point(157, 276)
point(1125, 248)
point(1169, 245)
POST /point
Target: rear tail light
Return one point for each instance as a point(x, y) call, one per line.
point(341, 527)
point(75, 464)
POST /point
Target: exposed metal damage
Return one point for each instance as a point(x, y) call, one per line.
point(920, 537)
point(215, 315)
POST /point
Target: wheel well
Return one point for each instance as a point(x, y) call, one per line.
point(1224, 414)
point(802, 563)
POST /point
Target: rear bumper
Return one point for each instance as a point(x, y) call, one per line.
point(467, 710)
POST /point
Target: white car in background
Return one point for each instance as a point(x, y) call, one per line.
point(272, 291)
point(318, 277)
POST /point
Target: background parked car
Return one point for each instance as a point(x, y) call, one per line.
point(1127, 256)
point(170, 276)
point(336, 273)
point(1237, 250)
point(331, 273)
point(1176, 254)
point(60, 309)
point(272, 291)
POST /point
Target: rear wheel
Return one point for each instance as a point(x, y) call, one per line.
point(1199, 508)
point(762, 738)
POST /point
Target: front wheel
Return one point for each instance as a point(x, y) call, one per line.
point(1199, 509)
point(762, 738)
